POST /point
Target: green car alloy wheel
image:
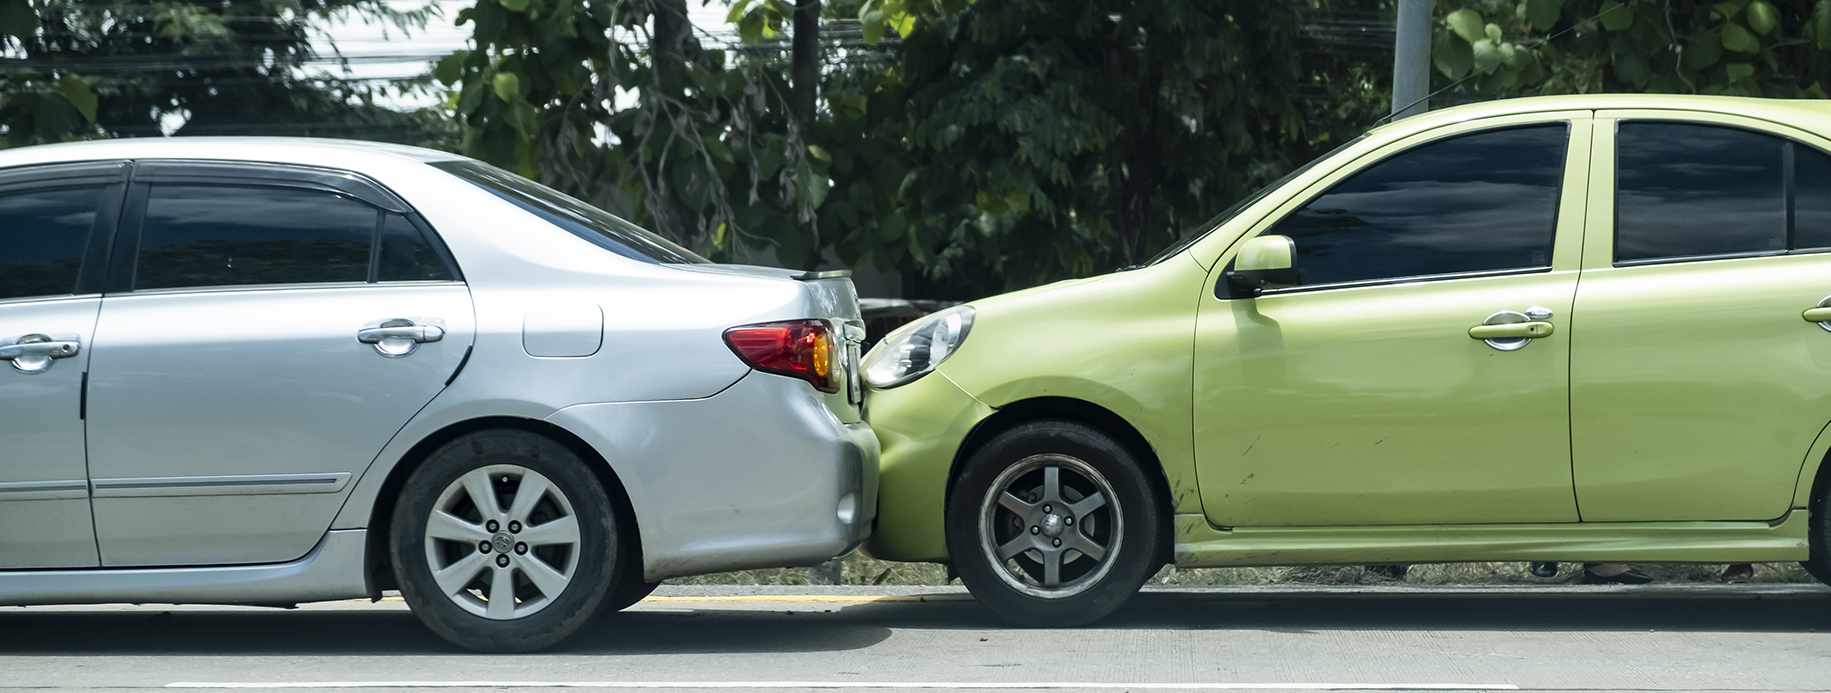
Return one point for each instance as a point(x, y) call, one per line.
point(1054, 524)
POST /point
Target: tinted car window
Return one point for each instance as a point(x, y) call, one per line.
point(1687, 190)
point(1811, 198)
point(198, 235)
point(45, 231)
point(1481, 202)
point(405, 254)
point(578, 218)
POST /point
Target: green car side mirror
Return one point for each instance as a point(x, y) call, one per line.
point(1265, 262)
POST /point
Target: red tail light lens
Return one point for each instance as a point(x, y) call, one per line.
point(797, 348)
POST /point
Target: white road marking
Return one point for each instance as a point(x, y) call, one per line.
point(942, 685)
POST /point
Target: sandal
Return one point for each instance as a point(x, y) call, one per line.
point(1738, 574)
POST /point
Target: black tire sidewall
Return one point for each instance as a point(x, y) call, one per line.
point(1139, 549)
point(598, 561)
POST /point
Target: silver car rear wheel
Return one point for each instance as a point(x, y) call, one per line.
point(502, 542)
point(505, 541)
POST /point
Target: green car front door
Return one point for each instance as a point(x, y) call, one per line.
point(1698, 386)
point(1359, 396)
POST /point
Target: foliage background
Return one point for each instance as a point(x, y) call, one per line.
point(972, 146)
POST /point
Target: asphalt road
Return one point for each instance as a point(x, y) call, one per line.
point(730, 640)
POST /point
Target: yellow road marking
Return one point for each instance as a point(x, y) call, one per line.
point(820, 598)
point(803, 598)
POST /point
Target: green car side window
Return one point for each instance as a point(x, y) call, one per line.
point(1481, 202)
point(1686, 191)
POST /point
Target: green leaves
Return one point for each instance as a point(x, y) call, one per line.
point(450, 68)
point(1616, 16)
point(1542, 14)
point(507, 86)
point(1818, 26)
point(76, 92)
point(1467, 24)
point(1738, 39)
point(17, 19)
point(1762, 17)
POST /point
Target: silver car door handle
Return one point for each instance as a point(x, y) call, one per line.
point(399, 337)
point(417, 333)
point(56, 350)
point(33, 353)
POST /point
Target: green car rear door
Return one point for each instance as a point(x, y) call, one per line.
point(1697, 386)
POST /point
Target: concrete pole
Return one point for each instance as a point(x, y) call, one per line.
point(1411, 59)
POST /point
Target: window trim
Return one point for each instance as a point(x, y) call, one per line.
point(1411, 279)
point(110, 176)
point(1223, 289)
point(1788, 161)
point(124, 254)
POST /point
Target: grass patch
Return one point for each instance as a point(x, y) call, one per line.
point(855, 569)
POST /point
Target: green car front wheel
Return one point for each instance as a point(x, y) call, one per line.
point(1054, 524)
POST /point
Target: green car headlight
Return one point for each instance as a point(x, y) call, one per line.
point(917, 348)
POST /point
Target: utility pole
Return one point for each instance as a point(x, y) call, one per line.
point(1411, 59)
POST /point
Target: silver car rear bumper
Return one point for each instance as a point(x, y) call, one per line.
point(806, 489)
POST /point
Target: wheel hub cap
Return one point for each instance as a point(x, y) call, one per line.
point(1052, 525)
point(503, 542)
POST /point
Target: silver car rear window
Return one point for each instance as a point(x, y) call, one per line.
point(580, 219)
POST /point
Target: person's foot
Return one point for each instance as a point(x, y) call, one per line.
point(1544, 569)
point(1738, 573)
point(1628, 576)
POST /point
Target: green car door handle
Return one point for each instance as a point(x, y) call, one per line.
point(1515, 330)
point(1817, 314)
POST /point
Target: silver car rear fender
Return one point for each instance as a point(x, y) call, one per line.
point(760, 475)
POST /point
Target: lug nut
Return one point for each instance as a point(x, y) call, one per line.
point(1056, 542)
point(502, 560)
point(514, 527)
point(521, 549)
point(1046, 508)
point(1068, 520)
point(483, 547)
point(492, 526)
point(1034, 529)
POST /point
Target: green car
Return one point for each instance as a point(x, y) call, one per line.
point(1587, 328)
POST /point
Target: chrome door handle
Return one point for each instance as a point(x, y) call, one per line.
point(418, 333)
point(1511, 331)
point(33, 353)
point(399, 337)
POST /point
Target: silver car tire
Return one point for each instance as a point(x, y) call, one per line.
point(553, 551)
point(1054, 524)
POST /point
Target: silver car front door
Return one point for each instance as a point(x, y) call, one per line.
point(273, 340)
point(50, 219)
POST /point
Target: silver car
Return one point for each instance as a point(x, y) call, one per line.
point(269, 371)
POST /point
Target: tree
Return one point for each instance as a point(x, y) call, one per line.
point(1059, 138)
point(612, 98)
point(124, 67)
point(1735, 47)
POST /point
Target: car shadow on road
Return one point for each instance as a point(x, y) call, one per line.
point(766, 628)
point(354, 631)
point(1616, 611)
